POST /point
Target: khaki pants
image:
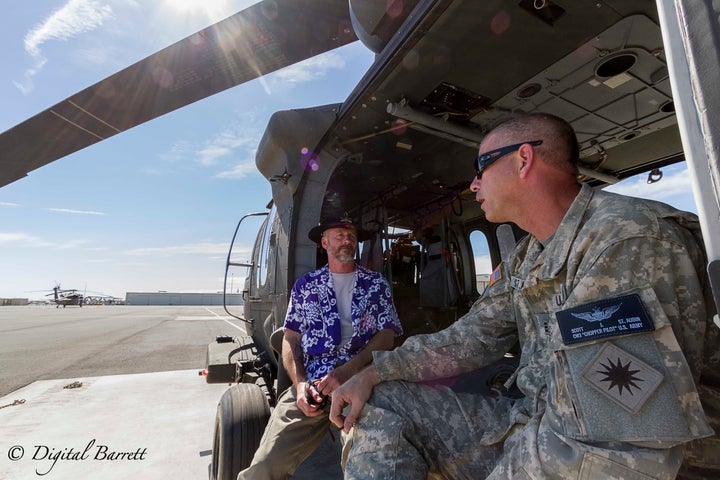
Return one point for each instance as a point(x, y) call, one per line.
point(290, 437)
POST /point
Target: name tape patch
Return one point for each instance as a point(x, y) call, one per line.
point(604, 318)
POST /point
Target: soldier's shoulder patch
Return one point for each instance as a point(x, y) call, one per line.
point(496, 275)
point(622, 377)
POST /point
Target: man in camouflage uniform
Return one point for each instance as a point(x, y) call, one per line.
point(608, 299)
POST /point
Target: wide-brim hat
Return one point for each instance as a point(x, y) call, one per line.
point(315, 233)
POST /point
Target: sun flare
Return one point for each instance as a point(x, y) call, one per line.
point(208, 8)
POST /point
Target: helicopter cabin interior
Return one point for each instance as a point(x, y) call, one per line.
point(397, 155)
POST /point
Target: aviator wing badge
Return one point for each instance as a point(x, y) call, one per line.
point(597, 314)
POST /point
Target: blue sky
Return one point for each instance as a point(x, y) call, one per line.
point(152, 208)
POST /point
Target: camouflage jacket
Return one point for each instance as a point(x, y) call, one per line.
point(612, 324)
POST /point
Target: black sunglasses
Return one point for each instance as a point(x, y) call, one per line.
point(487, 158)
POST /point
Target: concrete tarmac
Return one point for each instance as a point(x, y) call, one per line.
point(42, 343)
point(45, 343)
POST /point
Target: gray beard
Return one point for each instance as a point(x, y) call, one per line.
point(345, 258)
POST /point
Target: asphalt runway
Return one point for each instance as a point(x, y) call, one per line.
point(45, 343)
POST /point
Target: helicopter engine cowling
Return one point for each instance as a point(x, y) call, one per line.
point(376, 21)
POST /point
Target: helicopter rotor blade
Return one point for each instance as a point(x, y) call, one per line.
point(263, 38)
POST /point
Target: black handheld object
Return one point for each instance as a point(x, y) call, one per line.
point(311, 399)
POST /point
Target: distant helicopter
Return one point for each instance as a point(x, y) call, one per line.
point(66, 297)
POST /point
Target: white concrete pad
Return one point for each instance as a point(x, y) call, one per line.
point(149, 426)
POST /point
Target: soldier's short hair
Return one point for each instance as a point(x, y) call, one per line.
point(560, 146)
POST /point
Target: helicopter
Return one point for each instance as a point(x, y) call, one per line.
point(66, 297)
point(633, 78)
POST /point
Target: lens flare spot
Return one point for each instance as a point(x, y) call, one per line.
point(399, 127)
point(394, 8)
point(269, 10)
point(500, 23)
point(197, 39)
point(308, 160)
point(411, 60)
point(163, 77)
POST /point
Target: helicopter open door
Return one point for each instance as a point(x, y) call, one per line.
point(247, 361)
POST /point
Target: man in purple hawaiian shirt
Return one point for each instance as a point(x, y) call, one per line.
point(337, 316)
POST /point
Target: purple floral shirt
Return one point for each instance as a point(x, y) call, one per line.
point(313, 313)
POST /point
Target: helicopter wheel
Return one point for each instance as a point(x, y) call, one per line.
point(242, 414)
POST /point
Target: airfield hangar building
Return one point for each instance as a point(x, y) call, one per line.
point(178, 298)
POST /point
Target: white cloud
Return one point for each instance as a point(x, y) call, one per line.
point(241, 137)
point(310, 69)
point(76, 212)
point(21, 238)
point(239, 171)
point(172, 250)
point(225, 143)
point(211, 153)
point(233, 148)
point(98, 56)
point(26, 240)
point(72, 19)
point(672, 184)
point(9, 204)
point(181, 149)
point(69, 244)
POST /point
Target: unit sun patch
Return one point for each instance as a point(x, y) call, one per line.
point(604, 318)
point(622, 377)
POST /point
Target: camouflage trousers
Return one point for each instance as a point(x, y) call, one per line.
point(410, 431)
point(407, 430)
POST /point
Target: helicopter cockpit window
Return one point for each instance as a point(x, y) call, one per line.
point(483, 261)
point(263, 260)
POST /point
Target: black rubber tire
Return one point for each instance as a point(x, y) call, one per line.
point(241, 418)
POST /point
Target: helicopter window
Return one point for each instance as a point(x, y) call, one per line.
point(264, 257)
point(483, 261)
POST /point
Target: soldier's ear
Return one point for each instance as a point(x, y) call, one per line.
point(527, 159)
